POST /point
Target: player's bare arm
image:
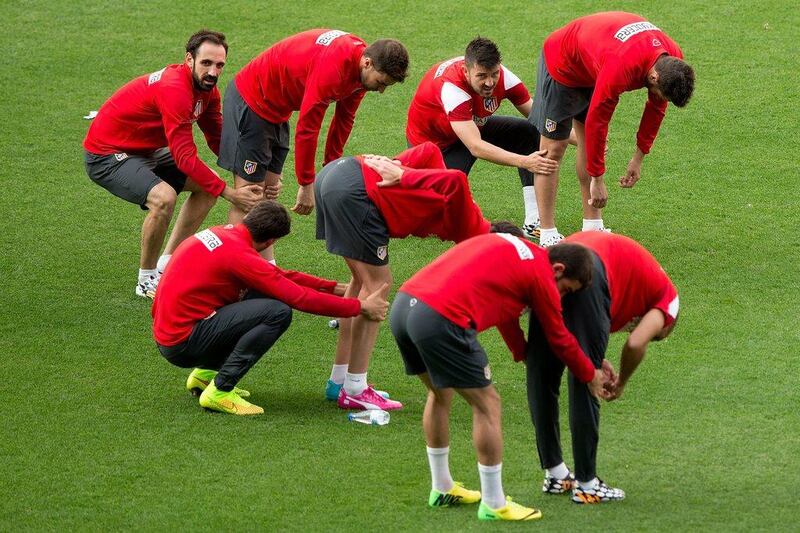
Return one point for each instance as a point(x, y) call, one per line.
point(525, 109)
point(634, 170)
point(650, 326)
point(470, 135)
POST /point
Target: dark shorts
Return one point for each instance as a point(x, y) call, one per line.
point(131, 176)
point(347, 219)
point(555, 105)
point(250, 146)
point(429, 342)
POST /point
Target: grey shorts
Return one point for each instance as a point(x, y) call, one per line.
point(347, 219)
point(131, 176)
point(250, 146)
point(555, 105)
point(429, 342)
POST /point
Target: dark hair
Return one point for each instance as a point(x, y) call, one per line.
point(268, 220)
point(504, 226)
point(390, 57)
point(675, 79)
point(483, 52)
point(577, 261)
point(205, 36)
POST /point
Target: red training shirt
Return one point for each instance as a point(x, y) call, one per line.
point(211, 269)
point(306, 72)
point(158, 110)
point(612, 52)
point(429, 200)
point(445, 96)
point(488, 281)
point(636, 281)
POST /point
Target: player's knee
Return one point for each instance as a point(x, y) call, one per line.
point(555, 150)
point(283, 316)
point(161, 199)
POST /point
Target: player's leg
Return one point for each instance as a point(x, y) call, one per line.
point(592, 216)
point(458, 157)
point(543, 372)
point(518, 136)
point(160, 205)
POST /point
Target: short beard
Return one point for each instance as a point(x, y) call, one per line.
point(198, 83)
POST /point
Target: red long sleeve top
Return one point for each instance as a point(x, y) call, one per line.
point(158, 110)
point(611, 52)
point(305, 73)
point(430, 199)
point(212, 268)
point(488, 281)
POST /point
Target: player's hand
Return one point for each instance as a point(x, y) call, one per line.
point(271, 192)
point(615, 389)
point(608, 371)
point(245, 198)
point(305, 200)
point(598, 195)
point(539, 164)
point(340, 289)
point(596, 386)
point(389, 171)
point(375, 306)
point(379, 158)
point(632, 174)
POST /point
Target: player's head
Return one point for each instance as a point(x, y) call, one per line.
point(572, 264)
point(671, 79)
point(384, 63)
point(482, 66)
point(206, 52)
point(504, 226)
point(267, 222)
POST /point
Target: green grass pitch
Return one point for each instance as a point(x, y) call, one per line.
point(97, 433)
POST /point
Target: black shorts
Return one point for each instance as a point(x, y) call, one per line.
point(131, 176)
point(429, 342)
point(250, 146)
point(347, 220)
point(555, 105)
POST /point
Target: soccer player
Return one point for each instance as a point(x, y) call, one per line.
point(483, 282)
point(361, 203)
point(454, 108)
point(629, 292)
point(305, 73)
point(583, 69)
point(200, 321)
point(140, 148)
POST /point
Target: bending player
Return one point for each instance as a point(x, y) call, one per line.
point(364, 201)
point(629, 292)
point(435, 322)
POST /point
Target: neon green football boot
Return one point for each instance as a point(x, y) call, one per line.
point(511, 511)
point(199, 379)
point(455, 496)
point(227, 402)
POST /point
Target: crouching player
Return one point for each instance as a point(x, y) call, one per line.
point(361, 203)
point(200, 321)
point(630, 291)
point(483, 282)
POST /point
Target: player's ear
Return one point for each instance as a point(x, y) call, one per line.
point(189, 59)
point(558, 269)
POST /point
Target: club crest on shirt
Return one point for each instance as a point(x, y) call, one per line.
point(249, 166)
point(487, 372)
point(381, 252)
point(198, 110)
point(490, 104)
point(550, 125)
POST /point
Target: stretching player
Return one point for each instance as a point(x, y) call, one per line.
point(485, 281)
point(361, 203)
point(584, 68)
point(629, 292)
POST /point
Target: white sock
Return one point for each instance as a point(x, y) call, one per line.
point(147, 273)
point(440, 469)
point(592, 484)
point(558, 472)
point(273, 262)
point(531, 207)
point(337, 373)
point(355, 384)
point(492, 485)
point(162, 262)
point(547, 233)
point(592, 224)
